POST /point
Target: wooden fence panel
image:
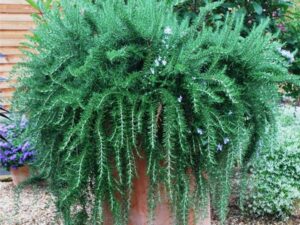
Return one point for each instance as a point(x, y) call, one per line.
point(15, 24)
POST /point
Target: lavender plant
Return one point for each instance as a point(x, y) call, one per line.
point(16, 151)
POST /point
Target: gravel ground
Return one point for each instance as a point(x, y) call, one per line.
point(36, 208)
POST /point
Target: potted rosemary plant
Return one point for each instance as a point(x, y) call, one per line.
point(15, 154)
point(138, 115)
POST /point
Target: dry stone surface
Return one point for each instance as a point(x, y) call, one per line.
point(34, 207)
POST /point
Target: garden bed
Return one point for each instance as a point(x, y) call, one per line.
point(36, 207)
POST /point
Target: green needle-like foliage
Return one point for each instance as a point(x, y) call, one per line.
point(110, 81)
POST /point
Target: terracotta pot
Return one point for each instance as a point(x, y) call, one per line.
point(19, 174)
point(139, 210)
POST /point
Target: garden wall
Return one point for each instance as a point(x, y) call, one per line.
point(15, 23)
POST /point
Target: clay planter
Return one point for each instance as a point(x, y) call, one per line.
point(139, 210)
point(19, 174)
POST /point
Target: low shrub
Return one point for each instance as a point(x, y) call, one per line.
point(276, 173)
point(290, 26)
point(254, 11)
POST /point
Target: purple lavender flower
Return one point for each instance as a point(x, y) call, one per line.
point(7, 152)
point(4, 145)
point(15, 155)
point(21, 161)
point(25, 146)
point(2, 157)
point(15, 150)
point(25, 156)
point(11, 126)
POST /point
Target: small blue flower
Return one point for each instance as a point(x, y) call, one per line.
point(156, 62)
point(152, 71)
point(287, 54)
point(219, 147)
point(24, 122)
point(180, 98)
point(168, 30)
point(226, 140)
point(199, 131)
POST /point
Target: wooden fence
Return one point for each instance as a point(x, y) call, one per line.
point(15, 23)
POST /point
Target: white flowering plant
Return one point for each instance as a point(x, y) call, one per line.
point(110, 81)
point(275, 181)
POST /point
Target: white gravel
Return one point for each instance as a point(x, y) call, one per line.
point(34, 207)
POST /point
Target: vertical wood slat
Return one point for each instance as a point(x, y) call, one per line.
point(15, 23)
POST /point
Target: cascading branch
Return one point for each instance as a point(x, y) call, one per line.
point(111, 81)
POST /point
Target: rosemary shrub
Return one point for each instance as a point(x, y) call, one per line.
point(111, 81)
